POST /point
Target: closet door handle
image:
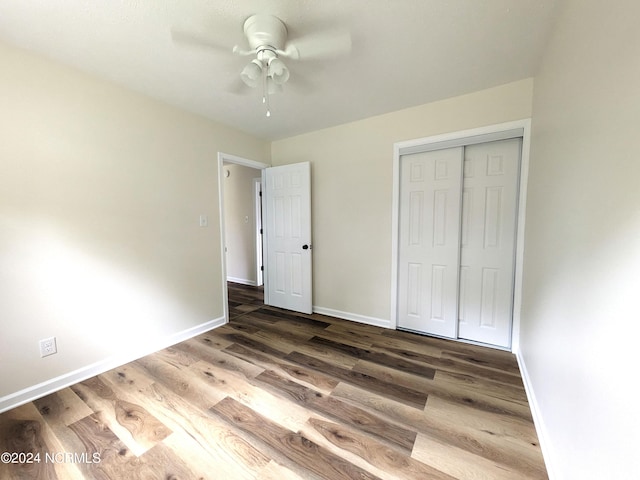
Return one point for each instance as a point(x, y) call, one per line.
point(306, 247)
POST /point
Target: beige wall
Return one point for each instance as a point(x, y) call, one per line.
point(239, 219)
point(351, 169)
point(100, 194)
point(579, 324)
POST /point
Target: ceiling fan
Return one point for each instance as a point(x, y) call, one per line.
point(267, 38)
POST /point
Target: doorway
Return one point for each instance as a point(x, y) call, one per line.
point(283, 218)
point(240, 220)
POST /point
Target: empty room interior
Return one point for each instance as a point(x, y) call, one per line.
point(297, 239)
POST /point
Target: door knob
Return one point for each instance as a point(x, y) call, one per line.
point(305, 247)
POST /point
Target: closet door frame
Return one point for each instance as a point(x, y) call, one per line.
point(502, 131)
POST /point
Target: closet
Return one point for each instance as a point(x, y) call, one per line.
point(456, 241)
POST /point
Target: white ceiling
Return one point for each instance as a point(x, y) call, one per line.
point(404, 52)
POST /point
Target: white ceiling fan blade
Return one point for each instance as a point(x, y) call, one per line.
point(238, 50)
point(238, 87)
point(301, 85)
point(193, 39)
point(319, 46)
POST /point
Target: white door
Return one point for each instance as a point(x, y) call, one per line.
point(287, 220)
point(489, 212)
point(429, 241)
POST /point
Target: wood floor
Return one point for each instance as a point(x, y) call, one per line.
point(276, 395)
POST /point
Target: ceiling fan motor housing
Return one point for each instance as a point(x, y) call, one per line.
point(264, 31)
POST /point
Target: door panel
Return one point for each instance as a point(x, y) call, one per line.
point(430, 205)
point(287, 216)
point(489, 212)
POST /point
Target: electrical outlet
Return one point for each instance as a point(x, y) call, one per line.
point(48, 347)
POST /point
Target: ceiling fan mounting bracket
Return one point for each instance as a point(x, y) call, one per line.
point(265, 32)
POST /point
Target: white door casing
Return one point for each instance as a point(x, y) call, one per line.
point(257, 202)
point(487, 241)
point(287, 221)
point(429, 239)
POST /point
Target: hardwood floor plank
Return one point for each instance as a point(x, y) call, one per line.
point(489, 358)
point(514, 438)
point(24, 431)
point(99, 440)
point(220, 358)
point(394, 377)
point(390, 461)
point(118, 462)
point(253, 344)
point(177, 357)
point(275, 471)
point(243, 298)
point(204, 465)
point(400, 393)
point(389, 433)
point(58, 411)
point(288, 414)
point(377, 357)
point(428, 426)
point(447, 390)
point(311, 378)
point(298, 451)
point(279, 316)
point(278, 395)
point(163, 461)
point(62, 408)
point(320, 353)
point(490, 388)
point(399, 342)
point(461, 363)
point(462, 464)
point(212, 339)
point(138, 429)
point(181, 381)
point(209, 439)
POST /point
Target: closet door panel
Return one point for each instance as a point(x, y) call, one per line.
point(487, 248)
point(430, 205)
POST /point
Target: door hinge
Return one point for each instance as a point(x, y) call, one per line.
point(262, 268)
point(261, 232)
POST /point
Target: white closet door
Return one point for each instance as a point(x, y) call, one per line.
point(489, 212)
point(430, 201)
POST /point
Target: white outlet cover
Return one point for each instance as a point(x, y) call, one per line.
point(48, 346)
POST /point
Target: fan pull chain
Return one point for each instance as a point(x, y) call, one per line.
point(265, 89)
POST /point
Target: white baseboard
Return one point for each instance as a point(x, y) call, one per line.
point(541, 430)
point(242, 281)
point(53, 385)
point(354, 317)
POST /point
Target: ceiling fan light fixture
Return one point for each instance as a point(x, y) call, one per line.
point(273, 86)
point(278, 71)
point(251, 73)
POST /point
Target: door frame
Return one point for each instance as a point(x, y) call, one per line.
point(258, 230)
point(501, 131)
point(222, 159)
